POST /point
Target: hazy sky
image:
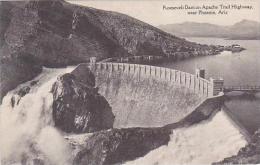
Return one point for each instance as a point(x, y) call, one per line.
point(152, 12)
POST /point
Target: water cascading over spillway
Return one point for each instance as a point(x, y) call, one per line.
point(205, 143)
point(27, 134)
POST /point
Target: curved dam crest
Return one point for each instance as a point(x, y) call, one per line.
point(157, 92)
point(141, 96)
point(161, 95)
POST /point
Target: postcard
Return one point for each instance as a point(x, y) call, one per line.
point(129, 82)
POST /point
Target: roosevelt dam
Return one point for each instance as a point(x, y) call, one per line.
point(197, 82)
point(166, 88)
point(86, 83)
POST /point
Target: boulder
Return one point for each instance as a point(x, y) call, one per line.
point(77, 105)
point(117, 146)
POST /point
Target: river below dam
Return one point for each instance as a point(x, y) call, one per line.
point(241, 68)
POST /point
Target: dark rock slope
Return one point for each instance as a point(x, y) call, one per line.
point(250, 154)
point(55, 33)
point(139, 38)
point(116, 146)
point(77, 106)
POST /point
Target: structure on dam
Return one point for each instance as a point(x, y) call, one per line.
point(196, 83)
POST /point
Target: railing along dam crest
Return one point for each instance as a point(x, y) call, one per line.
point(196, 83)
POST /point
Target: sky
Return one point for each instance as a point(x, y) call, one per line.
point(154, 13)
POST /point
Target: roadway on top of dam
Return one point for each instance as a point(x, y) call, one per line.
point(225, 89)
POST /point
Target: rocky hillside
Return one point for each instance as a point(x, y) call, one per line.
point(56, 33)
point(139, 38)
point(244, 29)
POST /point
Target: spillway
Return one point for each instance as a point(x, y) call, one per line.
point(27, 131)
point(205, 143)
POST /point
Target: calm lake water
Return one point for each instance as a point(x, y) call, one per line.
point(241, 68)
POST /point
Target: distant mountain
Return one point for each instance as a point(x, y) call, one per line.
point(244, 29)
point(56, 33)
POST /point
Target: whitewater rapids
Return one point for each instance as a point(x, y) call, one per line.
point(27, 133)
point(205, 143)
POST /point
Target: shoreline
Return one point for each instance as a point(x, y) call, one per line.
point(175, 57)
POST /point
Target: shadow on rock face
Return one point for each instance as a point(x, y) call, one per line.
point(77, 105)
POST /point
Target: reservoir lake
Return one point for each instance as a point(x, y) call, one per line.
point(240, 68)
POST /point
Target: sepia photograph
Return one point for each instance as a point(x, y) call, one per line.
point(129, 82)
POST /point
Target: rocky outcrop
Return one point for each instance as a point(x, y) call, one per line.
point(77, 106)
point(116, 146)
point(250, 154)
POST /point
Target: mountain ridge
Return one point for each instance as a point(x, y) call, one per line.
point(244, 29)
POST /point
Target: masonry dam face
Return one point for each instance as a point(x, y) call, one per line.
point(148, 96)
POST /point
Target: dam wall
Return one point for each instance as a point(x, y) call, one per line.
point(148, 96)
point(196, 84)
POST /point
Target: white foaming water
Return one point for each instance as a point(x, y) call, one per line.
point(27, 134)
point(205, 143)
